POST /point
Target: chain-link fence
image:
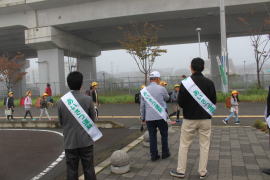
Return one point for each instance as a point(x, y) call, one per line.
point(131, 85)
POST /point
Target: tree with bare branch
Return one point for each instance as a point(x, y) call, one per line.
point(10, 71)
point(260, 43)
point(141, 42)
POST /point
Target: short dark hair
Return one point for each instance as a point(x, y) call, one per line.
point(75, 80)
point(197, 64)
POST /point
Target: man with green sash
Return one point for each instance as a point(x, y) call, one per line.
point(197, 98)
point(77, 115)
point(153, 112)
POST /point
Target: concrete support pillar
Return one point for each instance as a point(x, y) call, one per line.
point(87, 66)
point(20, 87)
point(214, 51)
point(51, 70)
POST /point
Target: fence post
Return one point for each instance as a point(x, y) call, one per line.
point(128, 85)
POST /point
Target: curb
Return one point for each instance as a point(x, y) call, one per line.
point(107, 162)
point(53, 124)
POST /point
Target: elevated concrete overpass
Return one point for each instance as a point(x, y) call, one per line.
point(50, 29)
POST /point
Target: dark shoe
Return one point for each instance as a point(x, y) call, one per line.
point(166, 156)
point(204, 176)
point(155, 158)
point(177, 174)
point(266, 171)
point(225, 122)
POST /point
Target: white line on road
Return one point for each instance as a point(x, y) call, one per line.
point(54, 163)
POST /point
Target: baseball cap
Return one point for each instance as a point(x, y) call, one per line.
point(154, 74)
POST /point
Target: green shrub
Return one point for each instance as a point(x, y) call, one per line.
point(259, 124)
point(117, 99)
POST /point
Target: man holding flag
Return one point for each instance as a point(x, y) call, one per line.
point(153, 111)
point(197, 97)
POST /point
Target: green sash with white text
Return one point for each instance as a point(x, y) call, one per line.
point(153, 103)
point(81, 116)
point(199, 96)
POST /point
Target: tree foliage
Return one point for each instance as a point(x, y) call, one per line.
point(10, 70)
point(141, 42)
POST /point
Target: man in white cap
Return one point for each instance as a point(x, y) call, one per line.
point(153, 112)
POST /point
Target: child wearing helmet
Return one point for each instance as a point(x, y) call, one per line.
point(9, 104)
point(234, 103)
point(28, 105)
point(163, 83)
point(44, 106)
point(94, 95)
point(174, 97)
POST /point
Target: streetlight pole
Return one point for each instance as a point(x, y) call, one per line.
point(199, 39)
point(245, 76)
point(224, 53)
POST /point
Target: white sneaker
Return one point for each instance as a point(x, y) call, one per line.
point(225, 122)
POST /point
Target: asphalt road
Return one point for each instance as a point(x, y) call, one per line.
point(24, 154)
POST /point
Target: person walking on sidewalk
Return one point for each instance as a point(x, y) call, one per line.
point(153, 112)
point(48, 91)
point(28, 105)
point(94, 94)
point(44, 106)
point(9, 104)
point(197, 97)
point(233, 103)
point(174, 98)
point(77, 116)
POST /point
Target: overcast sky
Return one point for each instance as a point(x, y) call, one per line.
point(178, 56)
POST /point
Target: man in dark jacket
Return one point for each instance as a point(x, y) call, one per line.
point(196, 119)
point(267, 171)
point(9, 104)
point(77, 143)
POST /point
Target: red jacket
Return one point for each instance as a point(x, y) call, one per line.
point(48, 91)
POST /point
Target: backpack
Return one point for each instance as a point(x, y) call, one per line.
point(137, 98)
point(228, 102)
point(38, 102)
point(22, 101)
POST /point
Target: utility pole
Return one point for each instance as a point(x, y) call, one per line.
point(245, 76)
point(224, 53)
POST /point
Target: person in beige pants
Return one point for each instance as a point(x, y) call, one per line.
point(196, 120)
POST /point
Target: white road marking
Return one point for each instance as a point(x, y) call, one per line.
point(54, 163)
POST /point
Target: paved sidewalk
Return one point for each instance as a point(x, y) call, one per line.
point(236, 153)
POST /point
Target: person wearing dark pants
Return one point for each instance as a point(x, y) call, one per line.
point(28, 105)
point(267, 171)
point(9, 104)
point(73, 157)
point(78, 144)
point(163, 129)
point(152, 118)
